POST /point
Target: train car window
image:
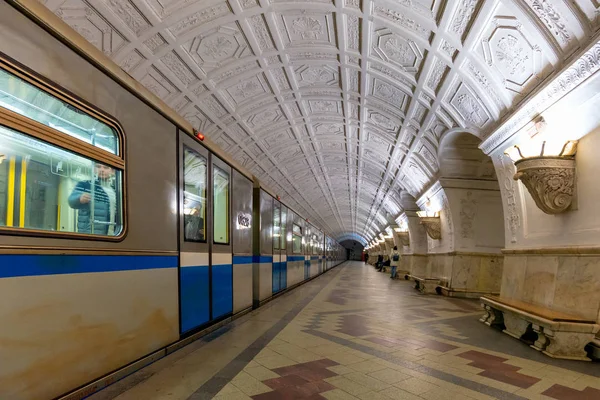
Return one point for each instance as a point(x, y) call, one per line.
point(43, 187)
point(221, 206)
point(283, 228)
point(315, 242)
point(28, 100)
point(297, 239)
point(194, 196)
point(276, 225)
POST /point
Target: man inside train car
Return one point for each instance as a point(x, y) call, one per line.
point(104, 202)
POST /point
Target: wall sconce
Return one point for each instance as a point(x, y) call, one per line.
point(548, 173)
point(432, 223)
point(404, 238)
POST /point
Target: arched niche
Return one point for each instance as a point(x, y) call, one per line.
point(460, 157)
point(466, 261)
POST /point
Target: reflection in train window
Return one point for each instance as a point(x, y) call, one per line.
point(194, 196)
point(315, 244)
point(221, 206)
point(43, 187)
point(283, 228)
point(28, 100)
point(297, 239)
point(276, 225)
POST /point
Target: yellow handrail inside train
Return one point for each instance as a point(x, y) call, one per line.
point(23, 192)
point(10, 206)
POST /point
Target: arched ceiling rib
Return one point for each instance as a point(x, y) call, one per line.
point(337, 105)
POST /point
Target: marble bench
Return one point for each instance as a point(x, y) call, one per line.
point(559, 335)
point(425, 285)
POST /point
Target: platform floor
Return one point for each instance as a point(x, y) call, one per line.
point(354, 333)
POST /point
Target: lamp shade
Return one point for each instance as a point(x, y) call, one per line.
point(428, 214)
point(542, 148)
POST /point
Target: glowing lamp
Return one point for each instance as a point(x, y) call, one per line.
point(547, 169)
point(199, 135)
point(428, 214)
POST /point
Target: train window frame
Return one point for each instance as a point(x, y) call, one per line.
point(227, 207)
point(284, 214)
point(206, 194)
point(50, 136)
point(276, 232)
point(296, 234)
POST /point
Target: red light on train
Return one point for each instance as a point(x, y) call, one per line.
point(199, 135)
point(278, 198)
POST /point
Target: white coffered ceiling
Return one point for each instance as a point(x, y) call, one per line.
point(337, 105)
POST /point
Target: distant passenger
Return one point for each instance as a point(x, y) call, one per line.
point(380, 262)
point(394, 261)
point(105, 202)
point(366, 258)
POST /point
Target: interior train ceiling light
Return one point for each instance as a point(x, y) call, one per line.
point(546, 166)
point(337, 106)
point(431, 221)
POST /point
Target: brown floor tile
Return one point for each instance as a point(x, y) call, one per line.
point(495, 368)
point(285, 381)
point(564, 393)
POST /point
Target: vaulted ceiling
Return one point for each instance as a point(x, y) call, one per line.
point(337, 105)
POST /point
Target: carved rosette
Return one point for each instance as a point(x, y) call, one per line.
point(404, 238)
point(433, 226)
point(549, 180)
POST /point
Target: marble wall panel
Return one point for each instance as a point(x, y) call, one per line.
point(490, 273)
point(513, 277)
point(565, 283)
point(540, 280)
point(577, 288)
point(419, 266)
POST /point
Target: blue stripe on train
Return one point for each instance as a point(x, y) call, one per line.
point(222, 290)
point(275, 278)
point(12, 265)
point(306, 269)
point(242, 260)
point(262, 259)
point(195, 302)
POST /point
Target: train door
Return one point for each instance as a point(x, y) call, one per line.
point(283, 269)
point(195, 218)
point(242, 241)
point(276, 266)
point(221, 278)
point(307, 250)
point(279, 269)
point(263, 231)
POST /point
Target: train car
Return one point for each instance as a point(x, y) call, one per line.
point(123, 236)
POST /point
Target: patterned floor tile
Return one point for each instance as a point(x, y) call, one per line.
point(355, 334)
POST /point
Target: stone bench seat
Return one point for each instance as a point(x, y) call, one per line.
point(425, 285)
point(559, 335)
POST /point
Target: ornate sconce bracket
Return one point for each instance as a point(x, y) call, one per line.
point(549, 180)
point(433, 226)
point(404, 238)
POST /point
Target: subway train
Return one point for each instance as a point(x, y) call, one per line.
point(123, 235)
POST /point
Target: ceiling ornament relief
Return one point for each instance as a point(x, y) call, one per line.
point(338, 106)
